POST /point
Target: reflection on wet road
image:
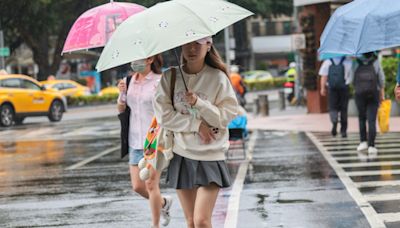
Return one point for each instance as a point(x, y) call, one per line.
point(287, 182)
point(374, 178)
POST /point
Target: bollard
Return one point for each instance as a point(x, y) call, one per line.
point(263, 105)
point(282, 101)
point(256, 107)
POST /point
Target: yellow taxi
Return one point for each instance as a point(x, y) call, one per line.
point(22, 96)
point(112, 90)
point(68, 88)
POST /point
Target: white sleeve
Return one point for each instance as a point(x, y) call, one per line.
point(223, 110)
point(324, 70)
point(165, 113)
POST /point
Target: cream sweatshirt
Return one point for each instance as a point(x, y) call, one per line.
point(216, 105)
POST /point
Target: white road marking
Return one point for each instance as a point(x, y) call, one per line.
point(374, 220)
point(368, 164)
point(382, 197)
point(234, 200)
point(373, 173)
point(357, 158)
point(86, 161)
point(390, 217)
point(367, 184)
point(381, 151)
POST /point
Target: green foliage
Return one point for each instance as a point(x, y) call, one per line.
point(389, 66)
point(267, 84)
point(92, 100)
point(267, 8)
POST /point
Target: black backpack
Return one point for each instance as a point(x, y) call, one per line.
point(336, 78)
point(365, 78)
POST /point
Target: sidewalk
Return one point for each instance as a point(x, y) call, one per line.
point(297, 119)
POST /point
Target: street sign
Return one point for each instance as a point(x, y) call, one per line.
point(4, 52)
point(298, 41)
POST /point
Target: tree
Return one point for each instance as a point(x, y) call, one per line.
point(266, 8)
point(43, 25)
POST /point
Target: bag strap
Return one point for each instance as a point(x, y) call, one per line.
point(333, 63)
point(342, 60)
point(128, 81)
point(172, 86)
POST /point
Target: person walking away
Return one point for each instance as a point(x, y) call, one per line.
point(369, 83)
point(336, 75)
point(198, 119)
point(238, 84)
point(139, 98)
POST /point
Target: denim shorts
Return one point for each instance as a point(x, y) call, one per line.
point(135, 156)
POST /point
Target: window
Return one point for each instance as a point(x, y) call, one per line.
point(69, 86)
point(256, 28)
point(10, 83)
point(58, 86)
point(26, 84)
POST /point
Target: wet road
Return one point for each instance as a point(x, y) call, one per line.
point(286, 183)
point(373, 179)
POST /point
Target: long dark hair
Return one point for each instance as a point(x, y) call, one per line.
point(214, 60)
point(157, 64)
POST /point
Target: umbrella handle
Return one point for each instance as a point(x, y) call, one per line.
point(180, 68)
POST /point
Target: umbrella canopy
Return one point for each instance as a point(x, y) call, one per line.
point(94, 27)
point(362, 26)
point(165, 26)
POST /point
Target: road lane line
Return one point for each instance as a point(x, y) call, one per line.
point(234, 200)
point(86, 161)
point(372, 216)
point(350, 158)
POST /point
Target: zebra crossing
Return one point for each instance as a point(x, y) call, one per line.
point(373, 180)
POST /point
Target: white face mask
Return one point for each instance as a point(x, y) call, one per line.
point(139, 65)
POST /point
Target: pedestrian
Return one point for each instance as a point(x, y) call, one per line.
point(139, 97)
point(369, 84)
point(198, 120)
point(291, 77)
point(336, 76)
point(238, 84)
point(397, 92)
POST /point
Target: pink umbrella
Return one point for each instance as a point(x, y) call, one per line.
point(94, 27)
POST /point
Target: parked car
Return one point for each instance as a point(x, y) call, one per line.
point(68, 88)
point(255, 76)
point(22, 96)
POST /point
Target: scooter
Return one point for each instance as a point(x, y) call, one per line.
point(289, 90)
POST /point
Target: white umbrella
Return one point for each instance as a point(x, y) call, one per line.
point(165, 26)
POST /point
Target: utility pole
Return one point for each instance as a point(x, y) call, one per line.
point(2, 61)
point(227, 48)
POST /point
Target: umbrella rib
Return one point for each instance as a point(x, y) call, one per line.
point(361, 32)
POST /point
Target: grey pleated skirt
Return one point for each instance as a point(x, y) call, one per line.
point(185, 173)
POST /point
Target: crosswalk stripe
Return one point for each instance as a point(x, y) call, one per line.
point(373, 173)
point(365, 206)
point(381, 151)
point(357, 158)
point(382, 197)
point(368, 184)
point(390, 217)
point(367, 164)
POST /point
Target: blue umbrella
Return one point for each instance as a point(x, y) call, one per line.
point(362, 26)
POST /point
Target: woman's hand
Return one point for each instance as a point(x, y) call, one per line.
point(382, 95)
point(190, 98)
point(397, 92)
point(122, 86)
point(205, 133)
point(121, 107)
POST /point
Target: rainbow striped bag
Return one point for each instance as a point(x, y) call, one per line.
point(157, 150)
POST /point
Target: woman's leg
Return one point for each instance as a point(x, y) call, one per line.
point(187, 198)
point(138, 185)
point(204, 205)
point(155, 199)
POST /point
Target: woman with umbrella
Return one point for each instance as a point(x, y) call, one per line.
point(138, 95)
point(199, 120)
